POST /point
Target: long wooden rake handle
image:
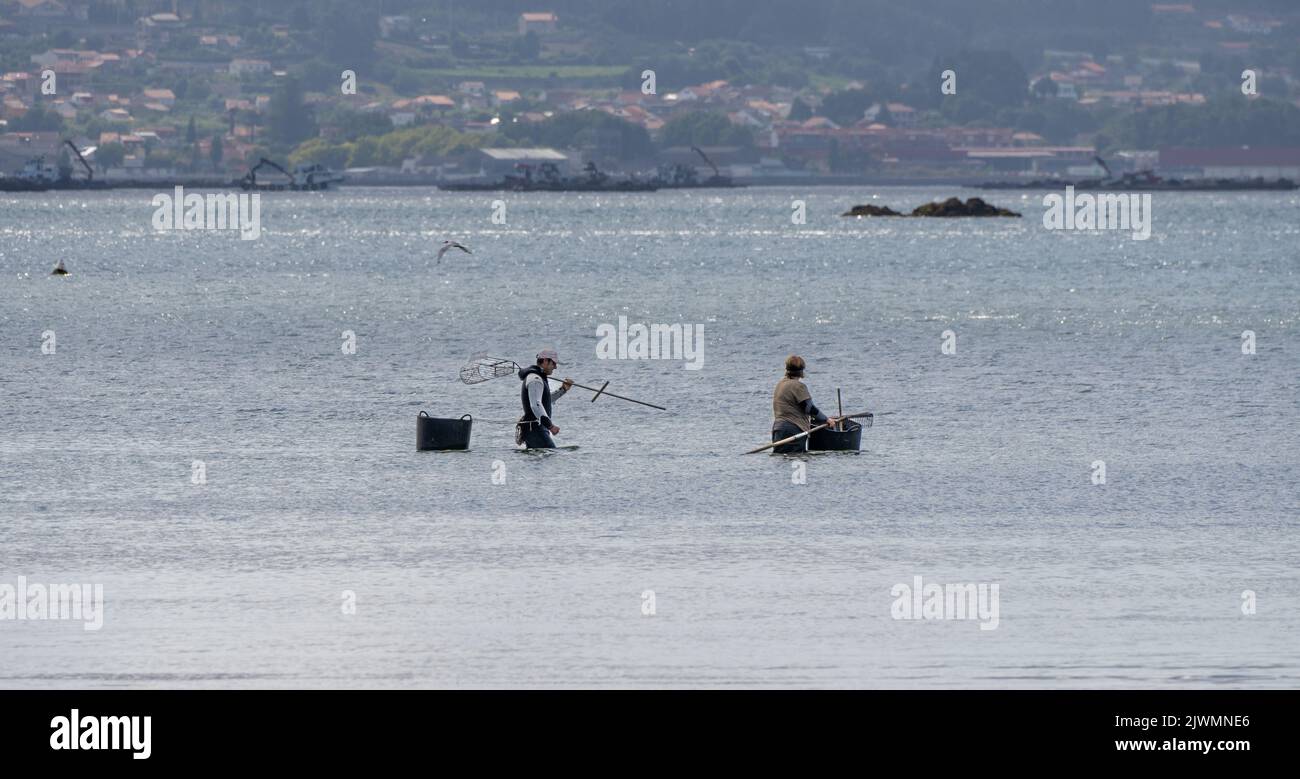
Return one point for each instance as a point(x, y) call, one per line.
point(603, 391)
point(794, 438)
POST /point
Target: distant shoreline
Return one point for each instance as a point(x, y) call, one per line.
point(792, 181)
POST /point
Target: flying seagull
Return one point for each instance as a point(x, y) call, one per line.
point(448, 246)
point(59, 270)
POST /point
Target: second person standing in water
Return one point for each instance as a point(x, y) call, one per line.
point(792, 408)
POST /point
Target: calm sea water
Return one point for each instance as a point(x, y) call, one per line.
point(1071, 348)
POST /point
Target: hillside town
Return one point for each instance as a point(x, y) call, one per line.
point(180, 91)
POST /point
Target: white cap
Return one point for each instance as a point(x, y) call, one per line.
point(549, 354)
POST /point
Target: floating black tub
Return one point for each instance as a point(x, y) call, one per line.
point(827, 440)
point(433, 434)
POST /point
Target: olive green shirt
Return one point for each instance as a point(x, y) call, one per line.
point(787, 402)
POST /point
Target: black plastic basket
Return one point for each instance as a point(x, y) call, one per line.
point(434, 434)
point(827, 440)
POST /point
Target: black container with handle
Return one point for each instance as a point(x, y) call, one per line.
point(827, 440)
point(434, 434)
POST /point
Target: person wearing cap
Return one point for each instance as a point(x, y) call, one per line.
point(535, 428)
point(792, 408)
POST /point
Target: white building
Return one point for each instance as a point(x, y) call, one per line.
point(240, 67)
point(499, 162)
point(540, 23)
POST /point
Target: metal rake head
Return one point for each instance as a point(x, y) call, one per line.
point(481, 368)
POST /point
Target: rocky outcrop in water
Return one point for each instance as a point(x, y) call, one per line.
point(954, 207)
point(870, 210)
point(951, 207)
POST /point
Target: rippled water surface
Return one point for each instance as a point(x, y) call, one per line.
point(1071, 348)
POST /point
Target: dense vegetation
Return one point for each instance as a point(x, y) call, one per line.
point(391, 148)
point(1225, 121)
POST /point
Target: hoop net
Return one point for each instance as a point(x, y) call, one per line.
point(481, 368)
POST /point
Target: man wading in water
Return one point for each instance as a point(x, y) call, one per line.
point(535, 428)
point(792, 407)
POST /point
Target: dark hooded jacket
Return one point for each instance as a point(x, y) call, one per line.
point(546, 396)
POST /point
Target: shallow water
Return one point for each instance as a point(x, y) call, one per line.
point(1071, 348)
